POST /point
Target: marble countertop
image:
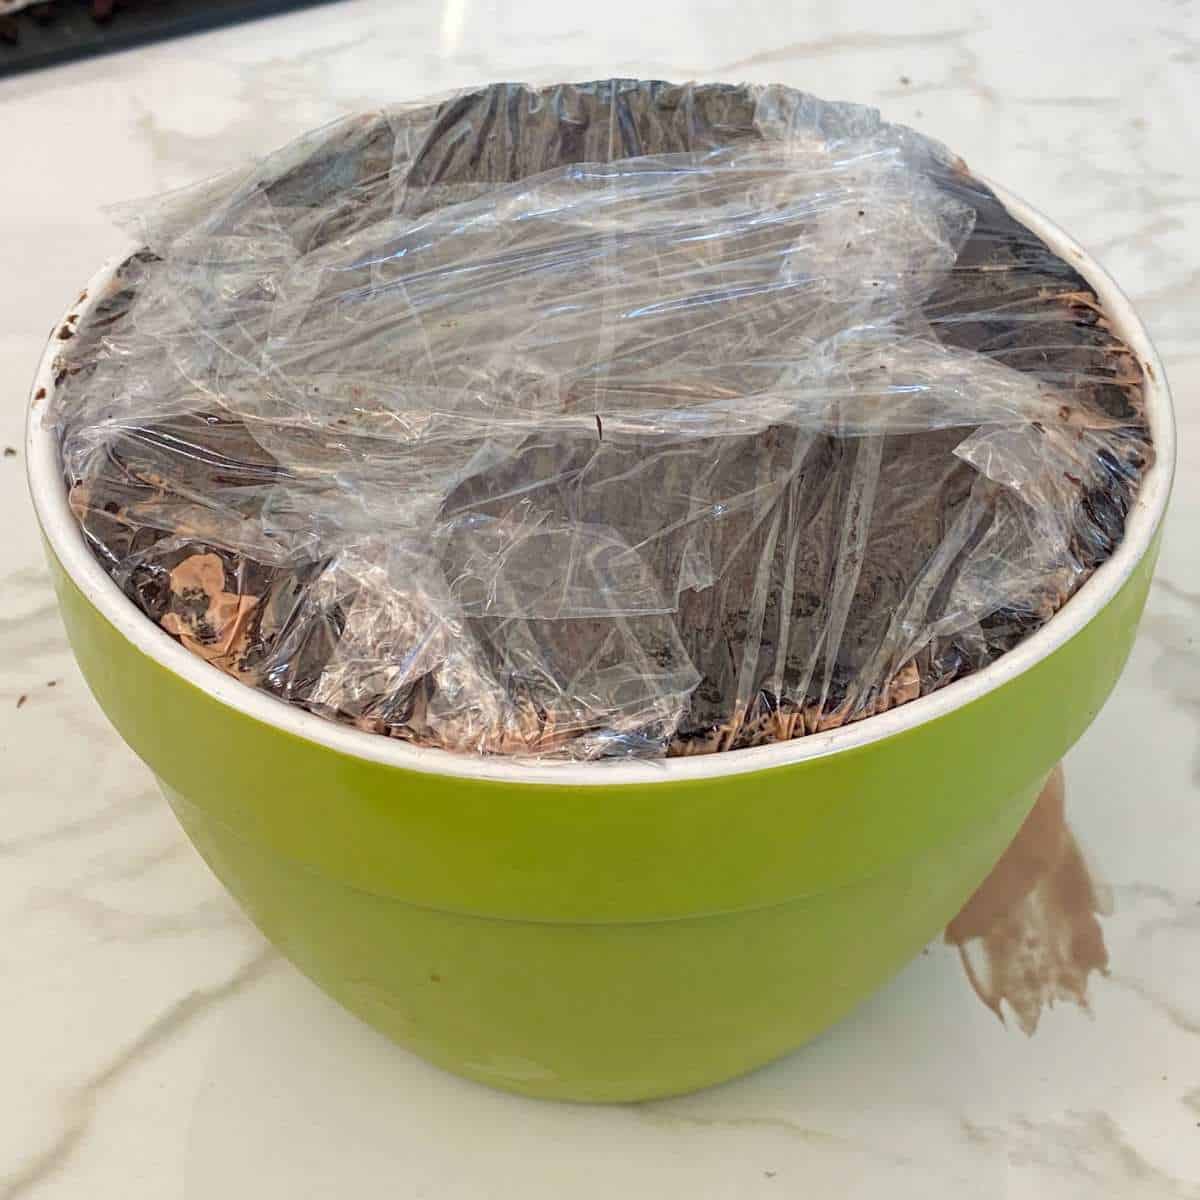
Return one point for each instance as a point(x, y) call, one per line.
point(154, 1047)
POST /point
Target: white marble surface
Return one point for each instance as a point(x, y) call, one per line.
point(152, 1047)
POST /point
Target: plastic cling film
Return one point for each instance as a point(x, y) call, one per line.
point(620, 418)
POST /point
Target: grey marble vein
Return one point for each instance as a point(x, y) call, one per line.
point(106, 818)
point(1184, 1021)
point(1187, 595)
point(1089, 1145)
point(667, 1115)
point(843, 43)
point(108, 923)
point(81, 1104)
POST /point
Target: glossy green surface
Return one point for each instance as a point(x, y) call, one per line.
point(604, 942)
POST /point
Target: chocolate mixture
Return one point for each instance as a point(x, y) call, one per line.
point(574, 583)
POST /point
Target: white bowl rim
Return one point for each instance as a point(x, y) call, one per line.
point(63, 534)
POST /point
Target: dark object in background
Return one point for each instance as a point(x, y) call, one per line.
point(61, 30)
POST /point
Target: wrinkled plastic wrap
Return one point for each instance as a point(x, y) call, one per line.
point(611, 419)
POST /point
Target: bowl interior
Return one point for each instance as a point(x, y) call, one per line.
point(66, 541)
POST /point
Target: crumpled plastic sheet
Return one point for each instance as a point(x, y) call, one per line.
point(621, 418)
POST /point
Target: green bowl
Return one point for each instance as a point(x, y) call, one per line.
point(606, 931)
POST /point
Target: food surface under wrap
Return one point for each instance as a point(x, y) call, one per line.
point(621, 418)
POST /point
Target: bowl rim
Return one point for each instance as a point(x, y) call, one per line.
point(65, 540)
